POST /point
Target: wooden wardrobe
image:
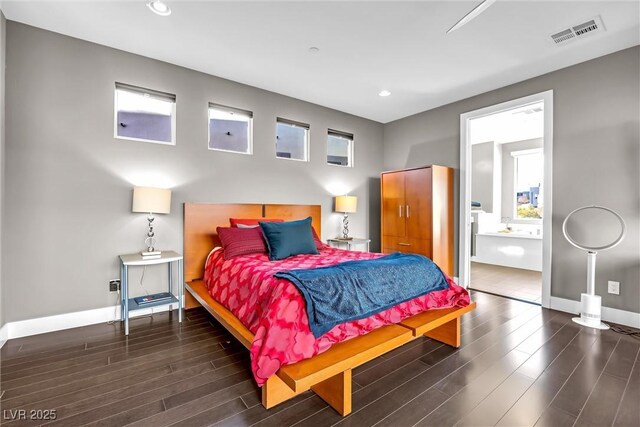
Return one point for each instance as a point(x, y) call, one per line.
point(417, 213)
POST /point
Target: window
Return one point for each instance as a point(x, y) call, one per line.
point(292, 140)
point(230, 129)
point(144, 115)
point(340, 148)
point(529, 171)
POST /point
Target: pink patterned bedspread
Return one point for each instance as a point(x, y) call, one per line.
point(274, 310)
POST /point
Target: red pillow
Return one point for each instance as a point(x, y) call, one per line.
point(254, 223)
point(319, 244)
point(251, 222)
point(241, 241)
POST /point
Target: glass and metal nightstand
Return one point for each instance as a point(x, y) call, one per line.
point(175, 295)
point(348, 244)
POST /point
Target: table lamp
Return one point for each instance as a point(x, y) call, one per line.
point(152, 201)
point(346, 205)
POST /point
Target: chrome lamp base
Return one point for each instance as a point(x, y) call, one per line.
point(150, 241)
point(345, 228)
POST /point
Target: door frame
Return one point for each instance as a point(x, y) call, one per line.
point(464, 264)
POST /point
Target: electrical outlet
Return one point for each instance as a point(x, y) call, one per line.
point(614, 287)
point(114, 285)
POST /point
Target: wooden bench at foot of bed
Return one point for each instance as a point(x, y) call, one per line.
point(442, 325)
point(329, 374)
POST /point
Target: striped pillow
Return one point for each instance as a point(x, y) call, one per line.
point(241, 241)
point(251, 222)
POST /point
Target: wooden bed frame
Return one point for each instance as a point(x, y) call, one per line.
point(328, 374)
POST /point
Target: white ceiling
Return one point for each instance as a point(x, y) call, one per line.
point(517, 124)
point(365, 46)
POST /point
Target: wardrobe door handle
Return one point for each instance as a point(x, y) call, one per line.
point(408, 211)
point(400, 211)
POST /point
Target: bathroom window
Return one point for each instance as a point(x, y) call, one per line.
point(340, 148)
point(230, 129)
point(292, 140)
point(529, 172)
point(144, 115)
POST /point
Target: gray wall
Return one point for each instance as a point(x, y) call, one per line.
point(482, 174)
point(508, 165)
point(69, 182)
point(596, 160)
point(3, 33)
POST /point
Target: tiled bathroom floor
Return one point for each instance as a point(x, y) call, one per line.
point(510, 282)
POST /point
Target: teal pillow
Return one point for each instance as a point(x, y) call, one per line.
point(285, 239)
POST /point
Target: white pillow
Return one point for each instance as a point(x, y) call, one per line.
point(246, 226)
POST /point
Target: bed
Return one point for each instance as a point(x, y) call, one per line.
point(266, 314)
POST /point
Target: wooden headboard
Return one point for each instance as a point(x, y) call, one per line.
point(201, 221)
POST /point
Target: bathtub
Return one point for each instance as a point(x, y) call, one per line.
point(517, 250)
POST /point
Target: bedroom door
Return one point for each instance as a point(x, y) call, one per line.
point(518, 227)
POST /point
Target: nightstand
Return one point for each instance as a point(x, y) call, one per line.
point(349, 243)
point(128, 305)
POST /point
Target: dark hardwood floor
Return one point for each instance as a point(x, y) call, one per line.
point(518, 365)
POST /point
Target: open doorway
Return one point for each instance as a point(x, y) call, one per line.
point(505, 199)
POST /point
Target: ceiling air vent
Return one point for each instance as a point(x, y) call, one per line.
point(585, 28)
point(592, 26)
point(563, 36)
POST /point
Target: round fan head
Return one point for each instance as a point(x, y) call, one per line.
point(594, 228)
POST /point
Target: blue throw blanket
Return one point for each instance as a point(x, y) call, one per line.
point(357, 289)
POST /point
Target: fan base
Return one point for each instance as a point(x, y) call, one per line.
point(599, 325)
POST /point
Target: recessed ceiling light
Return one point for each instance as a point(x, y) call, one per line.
point(158, 7)
point(384, 93)
point(314, 49)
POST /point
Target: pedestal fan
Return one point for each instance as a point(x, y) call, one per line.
point(591, 304)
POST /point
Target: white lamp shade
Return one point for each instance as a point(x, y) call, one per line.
point(151, 200)
point(346, 204)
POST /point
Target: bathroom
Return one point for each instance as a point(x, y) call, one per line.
point(507, 196)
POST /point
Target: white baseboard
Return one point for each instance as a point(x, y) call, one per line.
point(609, 314)
point(41, 325)
point(4, 334)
